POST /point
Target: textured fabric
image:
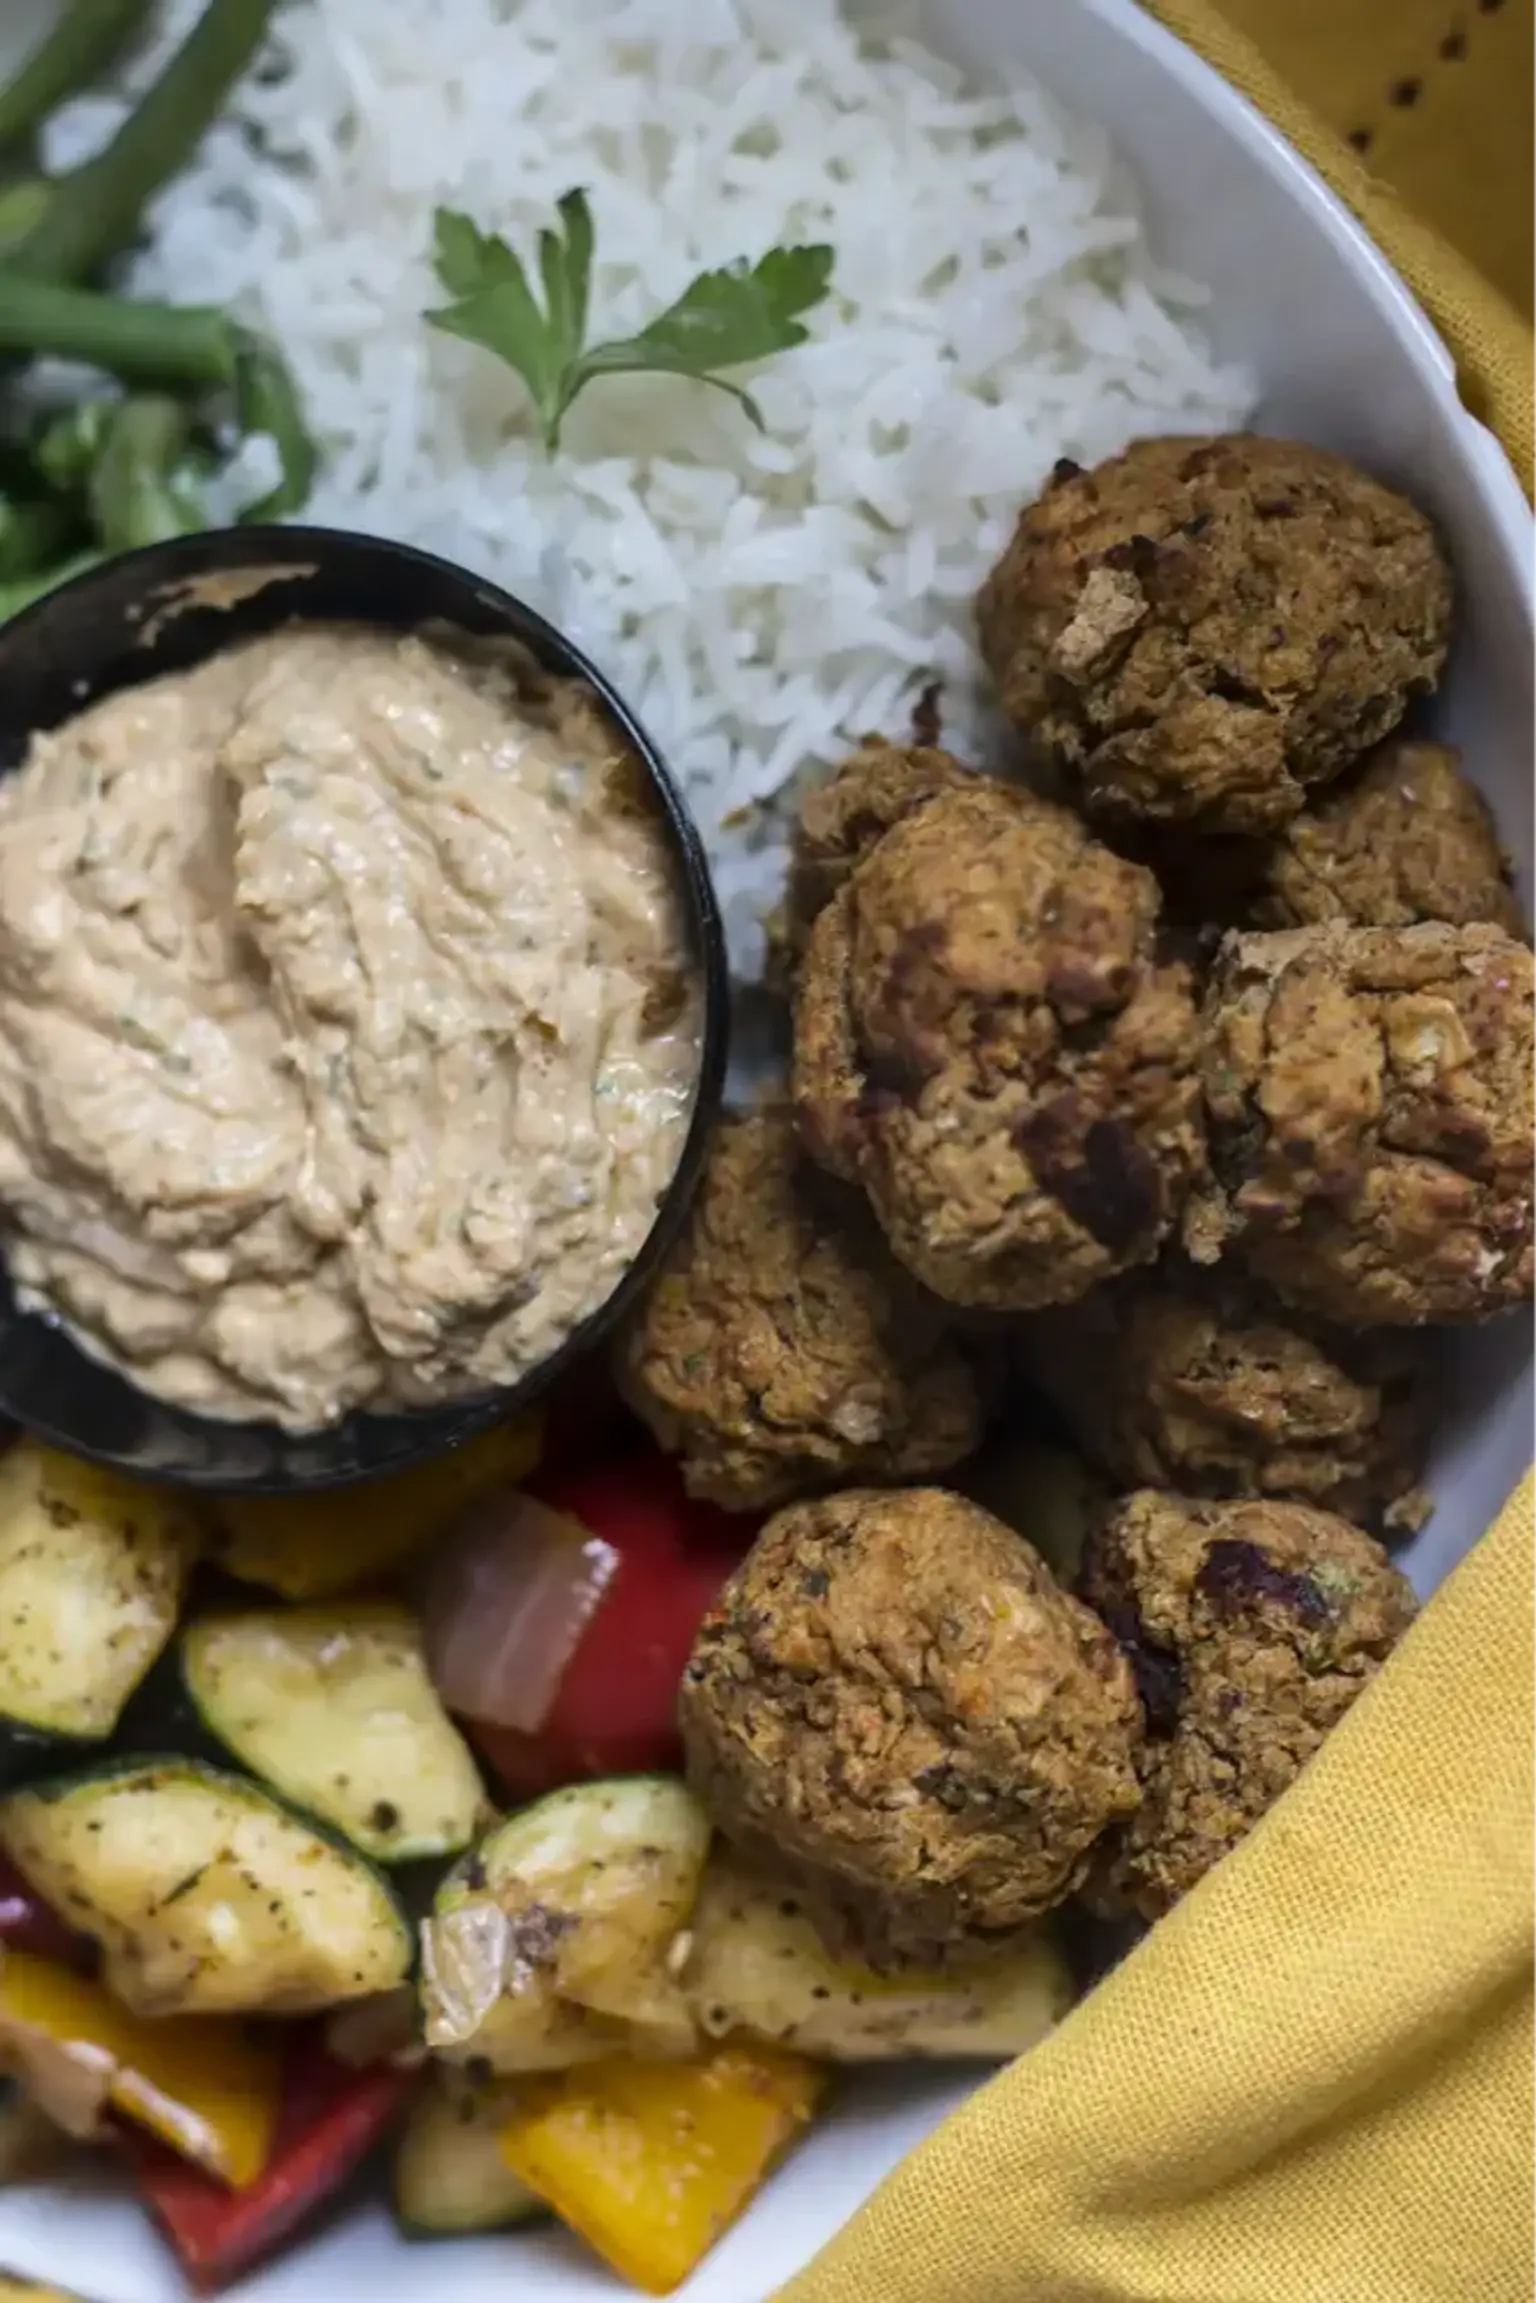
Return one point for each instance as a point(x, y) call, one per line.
point(1313, 2082)
point(1436, 96)
point(1489, 340)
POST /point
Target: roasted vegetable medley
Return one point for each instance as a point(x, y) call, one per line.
point(266, 1812)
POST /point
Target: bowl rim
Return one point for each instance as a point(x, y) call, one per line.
point(431, 1431)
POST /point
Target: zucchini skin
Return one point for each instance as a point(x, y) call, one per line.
point(28, 1755)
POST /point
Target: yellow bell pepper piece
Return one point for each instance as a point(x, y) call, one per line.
point(17, 2290)
point(316, 1546)
point(651, 2163)
point(199, 2083)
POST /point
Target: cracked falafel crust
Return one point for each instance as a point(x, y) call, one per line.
point(1369, 1100)
point(1198, 631)
point(1202, 1382)
point(894, 1705)
point(1410, 839)
point(782, 1348)
point(839, 821)
point(1252, 1628)
point(987, 1041)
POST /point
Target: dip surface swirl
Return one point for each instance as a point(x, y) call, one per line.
point(348, 1033)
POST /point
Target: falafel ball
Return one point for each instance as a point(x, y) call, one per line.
point(1369, 1098)
point(1252, 1628)
point(1199, 630)
point(1202, 1382)
point(840, 820)
point(782, 1348)
point(986, 1040)
point(1410, 839)
point(894, 1705)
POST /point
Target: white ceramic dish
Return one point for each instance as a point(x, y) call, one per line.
point(1345, 358)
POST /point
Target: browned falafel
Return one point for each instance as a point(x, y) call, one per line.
point(1204, 1383)
point(1252, 1628)
point(894, 1706)
point(781, 1347)
point(839, 821)
point(987, 1041)
point(1409, 839)
point(1370, 1106)
point(1199, 630)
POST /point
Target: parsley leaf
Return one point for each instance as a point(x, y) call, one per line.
point(468, 259)
point(565, 267)
point(724, 320)
point(743, 312)
point(495, 306)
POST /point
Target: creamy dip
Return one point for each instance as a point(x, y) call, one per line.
point(348, 1036)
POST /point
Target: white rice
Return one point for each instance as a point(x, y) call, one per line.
point(761, 600)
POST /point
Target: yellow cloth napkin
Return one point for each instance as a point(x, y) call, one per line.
point(1436, 97)
point(1313, 2082)
point(1489, 340)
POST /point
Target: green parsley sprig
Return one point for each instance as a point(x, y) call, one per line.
point(726, 319)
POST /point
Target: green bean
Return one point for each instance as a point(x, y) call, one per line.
point(135, 493)
point(85, 41)
point(93, 213)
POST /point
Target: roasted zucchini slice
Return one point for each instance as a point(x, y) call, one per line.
point(332, 1707)
point(92, 1571)
point(450, 2176)
point(554, 1943)
point(206, 1894)
point(757, 1965)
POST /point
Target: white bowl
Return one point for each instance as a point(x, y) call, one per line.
point(1344, 357)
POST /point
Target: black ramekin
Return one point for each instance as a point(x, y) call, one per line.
point(163, 610)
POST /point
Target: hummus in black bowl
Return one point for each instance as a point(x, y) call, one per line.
point(362, 1009)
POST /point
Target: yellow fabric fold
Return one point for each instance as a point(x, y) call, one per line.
point(1488, 339)
point(1436, 96)
point(1312, 2083)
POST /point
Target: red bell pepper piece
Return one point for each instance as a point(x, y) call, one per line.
point(331, 2119)
point(615, 1710)
point(28, 1924)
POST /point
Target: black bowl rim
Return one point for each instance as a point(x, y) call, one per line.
point(449, 1425)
